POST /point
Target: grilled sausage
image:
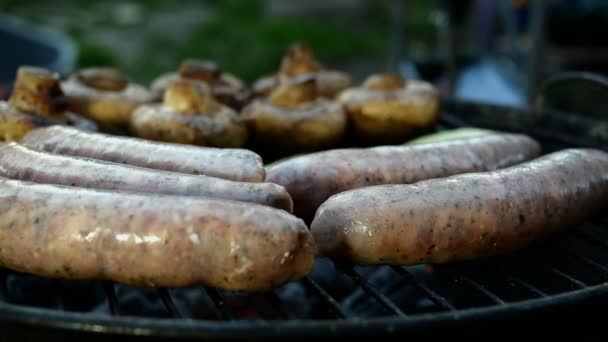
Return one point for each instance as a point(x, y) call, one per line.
point(232, 164)
point(466, 216)
point(144, 240)
point(313, 178)
point(19, 162)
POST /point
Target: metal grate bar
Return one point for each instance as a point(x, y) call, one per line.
point(278, 305)
point(527, 285)
point(169, 304)
point(590, 237)
point(576, 255)
point(515, 279)
point(108, 287)
point(568, 277)
point(381, 298)
point(592, 263)
point(3, 290)
point(56, 288)
point(331, 303)
point(602, 221)
point(222, 309)
point(452, 121)
point(432, 295)
point(482, 289)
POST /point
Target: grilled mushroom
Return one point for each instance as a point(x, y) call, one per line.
point(294, 118)
point(225, 87)
point(104, 95)
point(298, 60)
point(189, 115)
point(36, 101)
point(389, 109)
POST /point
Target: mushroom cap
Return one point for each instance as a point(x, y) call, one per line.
point(160, 122)
point(15, 124)
point(226, 88)
point(37, 92)
point(299, 59)
point(102, 95)
point(189, 115)
point(389, 109)
point(104, 84)
point(293, 118)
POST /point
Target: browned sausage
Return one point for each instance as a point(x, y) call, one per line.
point(464, 216)
point(233, 164)
point(144, 240)
point(313, 178)
point(19, 162)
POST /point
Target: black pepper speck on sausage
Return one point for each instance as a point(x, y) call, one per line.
point(19, 162)
point(464, 216)
point(142, 240)
point(228, 163)
point(313, 178)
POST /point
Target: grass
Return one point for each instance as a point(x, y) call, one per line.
point(235, 33)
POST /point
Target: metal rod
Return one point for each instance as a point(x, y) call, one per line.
point(432, 295)
point(57, 288)
point(108, 287)
point(396, 35)
point(169, 304)
point(527, 286)
point(568, 277)
point(278, 305)
point(537, 33)
point(329, 300)
point(381, 298)
point(222, 309)
point(592, 238)
point(3, 289)
point(452, 121)
point(482, 289)
point(592, 263)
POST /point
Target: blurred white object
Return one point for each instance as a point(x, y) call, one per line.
point(483, 82)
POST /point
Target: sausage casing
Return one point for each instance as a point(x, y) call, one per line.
point(464, 216)
point(19, 162)
point(144, 240)
point(233, 164)
point(313, 178)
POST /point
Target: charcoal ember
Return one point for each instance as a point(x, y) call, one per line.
point(70, 295)
point(393, 285)
point(296, 298)
point(194, 302)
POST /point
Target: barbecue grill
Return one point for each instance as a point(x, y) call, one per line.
point(568, 269)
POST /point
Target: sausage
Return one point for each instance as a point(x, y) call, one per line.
point(233, 164)
point(142, 240)
point(313, 178)
point(466, 216)
point(19, 162)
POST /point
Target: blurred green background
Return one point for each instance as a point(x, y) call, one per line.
point(247, 38)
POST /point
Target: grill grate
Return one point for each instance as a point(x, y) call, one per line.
point(573, 263)
point(458, 274)
point(404, 277)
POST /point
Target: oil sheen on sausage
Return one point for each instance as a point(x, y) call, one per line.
point(143, 240)
point(465, 216)
point(228, 163)
point(313, 178)
point(19, 162)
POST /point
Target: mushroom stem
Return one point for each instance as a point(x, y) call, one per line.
point(294, 92)
point(189, 97)
point(384, 82)
point(298, 60)
point(37, 91)
point(103, 78)
point(201, 70)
